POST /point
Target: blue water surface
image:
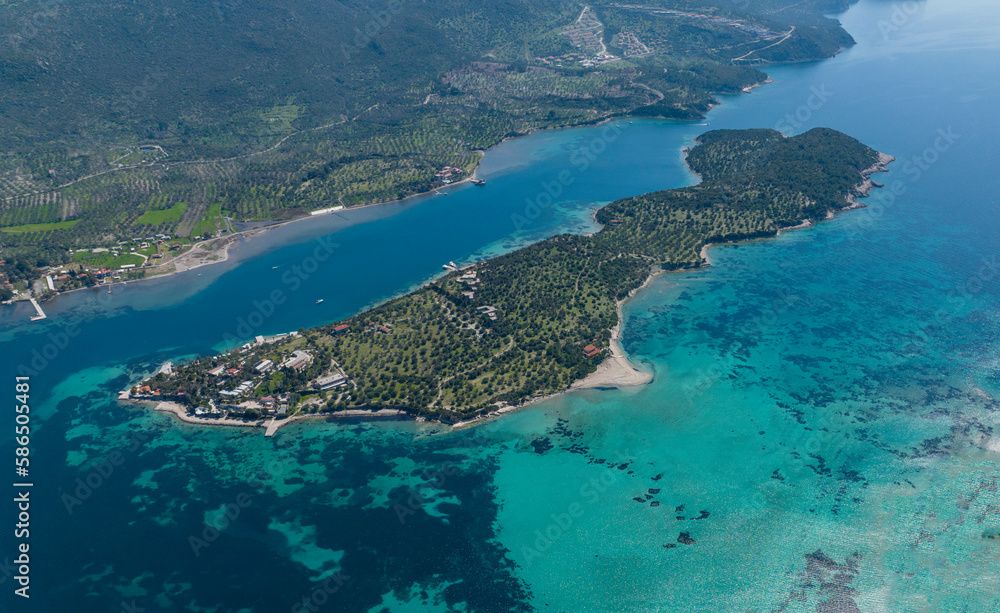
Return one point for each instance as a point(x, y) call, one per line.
point(819, 434)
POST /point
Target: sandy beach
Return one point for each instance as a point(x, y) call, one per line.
point(616, 370)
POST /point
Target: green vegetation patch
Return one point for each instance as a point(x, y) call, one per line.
point(41, 227)
point(212, 222)
point(164, 216)
point(107, 259)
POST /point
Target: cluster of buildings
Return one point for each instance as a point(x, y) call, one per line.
point(488, 310)
point(264, 340)
point(559, 60)
point(298, 361)
point(268, 405)
point(631, 45)
point(330, 382)
point(142, 392)
point(241, 390)
point(586, 33)
point(470, 278)
point(448, 174)
point(379, 328)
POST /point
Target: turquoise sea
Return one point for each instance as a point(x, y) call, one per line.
point(820, 434)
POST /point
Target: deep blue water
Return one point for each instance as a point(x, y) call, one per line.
point(820, 431)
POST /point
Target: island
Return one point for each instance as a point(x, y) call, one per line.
point(489, 337)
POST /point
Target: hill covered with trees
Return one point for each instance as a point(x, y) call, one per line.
point(110, 110)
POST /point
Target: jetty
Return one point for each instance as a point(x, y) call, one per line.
point(273, 426)
point(38, 309)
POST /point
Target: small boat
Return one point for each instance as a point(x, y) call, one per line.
point(479, 182)
point(109, 289)
point(319, 301)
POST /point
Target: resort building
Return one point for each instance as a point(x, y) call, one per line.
point(298, 361)
point(328, 383)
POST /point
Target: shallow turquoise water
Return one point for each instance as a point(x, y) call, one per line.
point(823, 406)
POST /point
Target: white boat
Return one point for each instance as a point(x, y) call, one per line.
point(319, 301)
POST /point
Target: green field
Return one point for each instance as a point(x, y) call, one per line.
point(42, 227)
point(106, 259)
point(164, 216)
point(212, 221)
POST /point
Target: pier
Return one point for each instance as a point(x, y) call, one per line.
point(38, 309)
point(273, 426)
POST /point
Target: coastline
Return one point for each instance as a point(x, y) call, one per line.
point(861, 190)
point(271, 424)
point(187, 262)
point(615, 371)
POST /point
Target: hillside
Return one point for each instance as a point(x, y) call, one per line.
point(243, 110)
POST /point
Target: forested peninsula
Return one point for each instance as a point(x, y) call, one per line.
point(509, 330)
